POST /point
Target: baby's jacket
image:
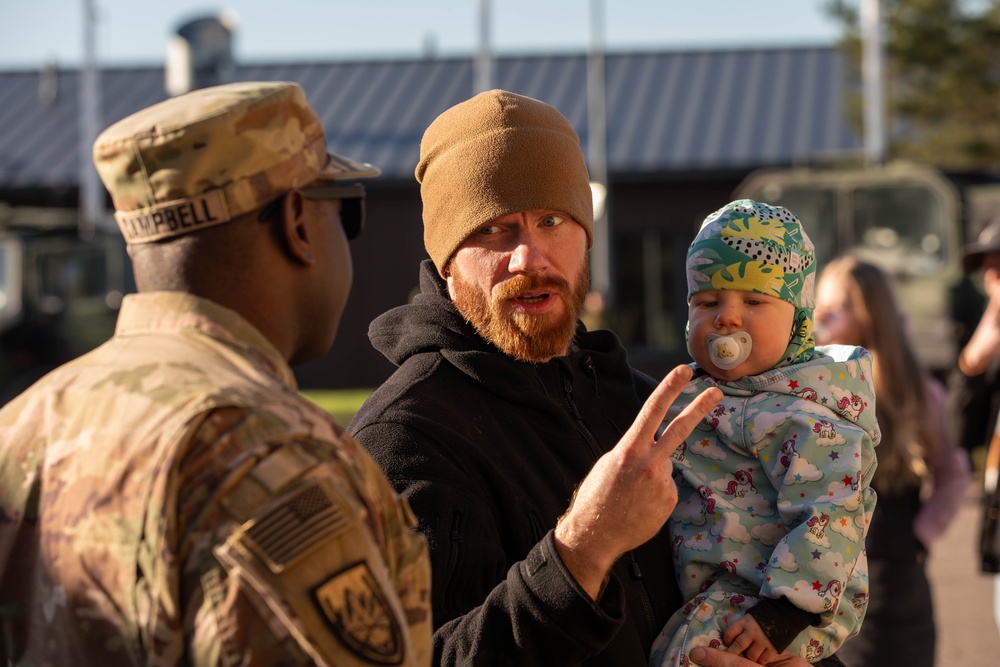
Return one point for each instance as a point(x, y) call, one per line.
point(774, 493)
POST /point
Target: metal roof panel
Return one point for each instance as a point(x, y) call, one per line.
point(666, 110)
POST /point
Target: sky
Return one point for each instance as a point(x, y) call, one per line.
point(136, 32)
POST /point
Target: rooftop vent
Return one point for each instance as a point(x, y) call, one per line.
point(200, 54)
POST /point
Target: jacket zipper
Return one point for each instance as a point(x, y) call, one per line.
point(637, 576)
point(536, 525)
point(592, 441)
point(587, 435)
point(456, 526)
point(455, 534)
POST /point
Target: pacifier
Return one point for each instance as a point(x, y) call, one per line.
point(729, 351)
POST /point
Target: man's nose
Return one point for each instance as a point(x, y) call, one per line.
point(527, 255)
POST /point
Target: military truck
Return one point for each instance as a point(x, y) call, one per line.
point(904, 217)
point(59, 292)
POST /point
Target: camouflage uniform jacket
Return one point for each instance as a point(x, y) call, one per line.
point(170, 498)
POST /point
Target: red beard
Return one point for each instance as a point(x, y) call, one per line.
point(534, 338)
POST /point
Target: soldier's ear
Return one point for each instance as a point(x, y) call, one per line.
point(296, 234)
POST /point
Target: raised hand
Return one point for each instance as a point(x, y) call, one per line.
point(629, 494)
point(984, 345)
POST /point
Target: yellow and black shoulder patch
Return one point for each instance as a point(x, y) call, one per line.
point(356, 610)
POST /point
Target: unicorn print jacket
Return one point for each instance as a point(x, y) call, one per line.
point(774, 496)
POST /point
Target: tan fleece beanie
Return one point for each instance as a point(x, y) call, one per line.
point(496, 154)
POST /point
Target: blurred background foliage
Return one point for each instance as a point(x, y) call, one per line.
point(341, 403)
point(942, 71)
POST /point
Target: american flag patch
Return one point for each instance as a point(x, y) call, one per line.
point(301, 522)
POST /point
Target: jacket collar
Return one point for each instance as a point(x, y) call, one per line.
point(180, 312)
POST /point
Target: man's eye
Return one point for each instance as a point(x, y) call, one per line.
point(489, 229)
point(552, 220)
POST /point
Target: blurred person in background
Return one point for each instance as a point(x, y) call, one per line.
point(921, 478)
point(975, 390)
point(975, 385)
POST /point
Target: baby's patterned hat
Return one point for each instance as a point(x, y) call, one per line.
point(753, 247)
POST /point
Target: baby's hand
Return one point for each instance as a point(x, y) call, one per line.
point(745, 636)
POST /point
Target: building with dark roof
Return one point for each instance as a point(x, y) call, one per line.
point(683, 129)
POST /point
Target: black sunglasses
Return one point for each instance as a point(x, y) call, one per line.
point(352, 205)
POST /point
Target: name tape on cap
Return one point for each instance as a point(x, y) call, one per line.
point(174, 218)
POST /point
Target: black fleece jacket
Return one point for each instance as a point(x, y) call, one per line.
point(488, 451)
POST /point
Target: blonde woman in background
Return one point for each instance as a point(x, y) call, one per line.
point(921, 478)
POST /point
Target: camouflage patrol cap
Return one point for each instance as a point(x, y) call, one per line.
point(204, 158)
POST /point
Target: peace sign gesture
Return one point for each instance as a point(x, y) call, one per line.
point(629, 494)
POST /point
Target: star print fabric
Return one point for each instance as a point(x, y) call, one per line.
point(774, 503)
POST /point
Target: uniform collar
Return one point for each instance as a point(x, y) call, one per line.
point(182, 313)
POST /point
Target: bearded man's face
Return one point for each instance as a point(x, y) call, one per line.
point(521, 282)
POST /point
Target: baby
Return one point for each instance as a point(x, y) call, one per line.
point(774, 498)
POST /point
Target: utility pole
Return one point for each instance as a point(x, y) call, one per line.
point(873, 82)
point(91, 206)
point(602, 265)
point(483, 64)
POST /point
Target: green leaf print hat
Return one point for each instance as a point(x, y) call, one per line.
point(754, 247)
